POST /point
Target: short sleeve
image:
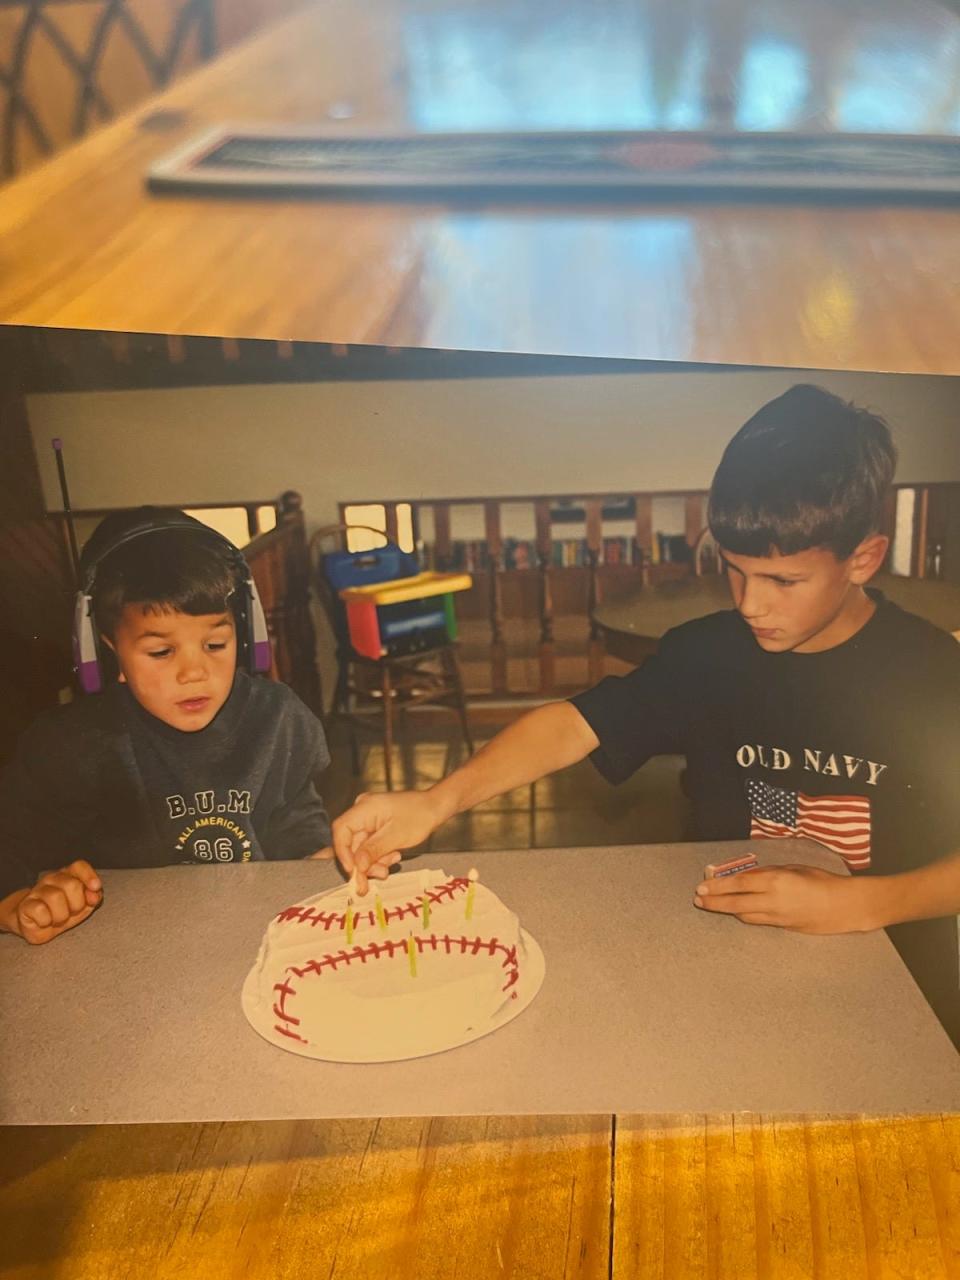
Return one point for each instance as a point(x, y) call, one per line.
point(639, 715)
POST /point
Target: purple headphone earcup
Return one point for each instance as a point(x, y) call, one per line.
point(86, 650)
point(261, 656)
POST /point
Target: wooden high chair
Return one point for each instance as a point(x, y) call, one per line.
point(392, 682)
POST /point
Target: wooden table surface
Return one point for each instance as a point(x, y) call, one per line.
point(633, 624)
point(865, 284)
point(731, 1197)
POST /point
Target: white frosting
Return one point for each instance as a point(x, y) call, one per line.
point(423, 962)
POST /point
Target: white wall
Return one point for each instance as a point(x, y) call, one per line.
point(341, 441)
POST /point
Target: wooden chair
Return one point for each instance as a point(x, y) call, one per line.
point(394, 683)
point(67, 66)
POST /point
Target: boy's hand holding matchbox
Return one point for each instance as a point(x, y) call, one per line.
point(805, 899)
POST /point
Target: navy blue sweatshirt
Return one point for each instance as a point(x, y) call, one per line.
point(104, 780)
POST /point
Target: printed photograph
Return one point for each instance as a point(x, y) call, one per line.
point(661, 654)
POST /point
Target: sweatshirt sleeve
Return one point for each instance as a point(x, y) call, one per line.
point(299, 825)
point(38, 817)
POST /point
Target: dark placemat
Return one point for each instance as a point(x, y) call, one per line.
point(263, 158)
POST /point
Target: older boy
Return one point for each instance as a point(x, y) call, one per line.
point(814, 708)
point(184, 758)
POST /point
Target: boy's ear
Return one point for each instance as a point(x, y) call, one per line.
point(868, 557)
point(113, 649)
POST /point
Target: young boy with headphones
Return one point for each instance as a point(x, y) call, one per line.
point(182, 755)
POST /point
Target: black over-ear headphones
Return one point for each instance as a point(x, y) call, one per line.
point(252, 638)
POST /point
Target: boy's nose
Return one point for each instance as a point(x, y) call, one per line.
point(193, 667)
point(751, 602)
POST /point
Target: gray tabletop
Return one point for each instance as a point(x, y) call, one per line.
point(648, 1005)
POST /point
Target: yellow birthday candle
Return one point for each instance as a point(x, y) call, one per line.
point(473, 875)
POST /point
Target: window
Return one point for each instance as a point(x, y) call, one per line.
point(374, 516)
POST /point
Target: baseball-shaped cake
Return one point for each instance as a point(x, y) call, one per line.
point(424, 962)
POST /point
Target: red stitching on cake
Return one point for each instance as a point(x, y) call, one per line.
point(392, 949)
point(445, 892)
point(292, 1034)
point(284, 989)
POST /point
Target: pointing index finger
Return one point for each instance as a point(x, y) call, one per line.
point(359, 877)
point(361, 865)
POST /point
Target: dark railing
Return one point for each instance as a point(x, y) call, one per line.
point(280, 563)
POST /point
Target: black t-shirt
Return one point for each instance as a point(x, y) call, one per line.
point(104, 780)
point(857, 747)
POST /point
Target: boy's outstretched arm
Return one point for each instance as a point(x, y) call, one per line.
point(810, 900)
point(369, 837)
point(59, 900)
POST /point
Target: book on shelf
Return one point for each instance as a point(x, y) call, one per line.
point(672, 548)
point(620, 551)
point(519, 553)
point(569, 552)
point(473, 555)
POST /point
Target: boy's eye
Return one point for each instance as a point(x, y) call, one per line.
point(215, 645)
point(159, 653)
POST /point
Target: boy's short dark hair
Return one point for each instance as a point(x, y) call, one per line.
point(807, 470)
point(175, 568)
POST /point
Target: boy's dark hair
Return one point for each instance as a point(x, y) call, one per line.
point(166, 568)
point(807, 470)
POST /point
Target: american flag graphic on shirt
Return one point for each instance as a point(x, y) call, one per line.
point(842, 823)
